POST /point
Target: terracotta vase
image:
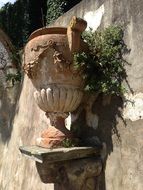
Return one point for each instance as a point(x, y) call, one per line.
point(48, 62)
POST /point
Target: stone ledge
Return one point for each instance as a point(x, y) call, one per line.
point(40, 154)
point(70, 174)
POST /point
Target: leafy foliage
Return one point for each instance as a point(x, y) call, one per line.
point(67, 143)
point(18, 20)
point(14, 77)
point(14, 21)
point(103, 68)
point(57, 7)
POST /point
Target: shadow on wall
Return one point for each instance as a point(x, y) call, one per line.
point(108, 108)
point(109, 115)
point(108, 122)
point(9, 94)
point(9, 98)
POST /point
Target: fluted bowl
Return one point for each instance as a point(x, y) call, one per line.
point(58, 99)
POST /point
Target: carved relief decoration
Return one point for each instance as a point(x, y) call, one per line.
point(61, 64)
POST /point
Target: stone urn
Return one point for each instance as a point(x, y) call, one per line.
point(48, 62)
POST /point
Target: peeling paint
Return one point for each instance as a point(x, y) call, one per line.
point(94, 18)
point(133, 107)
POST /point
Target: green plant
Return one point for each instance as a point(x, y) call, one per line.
point(54, 9)
point(20, 19)
point(67, 143)
point(103, 65)
point(14, 77)
point(58, 7)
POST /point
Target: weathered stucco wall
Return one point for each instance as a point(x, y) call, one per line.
point(120, 123)
point(8, 93)
point(119, 126)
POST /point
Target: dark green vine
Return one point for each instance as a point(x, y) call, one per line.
point(103, 65)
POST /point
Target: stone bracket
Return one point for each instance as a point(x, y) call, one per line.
point(41, 155)
point(74, 168)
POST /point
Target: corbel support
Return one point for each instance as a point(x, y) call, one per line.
point(74, 168)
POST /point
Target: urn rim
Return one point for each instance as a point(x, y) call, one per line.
point(49, 30)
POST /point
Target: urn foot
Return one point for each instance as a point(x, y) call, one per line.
point(52, 138)
point(56, 136)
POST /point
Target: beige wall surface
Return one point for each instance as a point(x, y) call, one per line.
point(120, 123)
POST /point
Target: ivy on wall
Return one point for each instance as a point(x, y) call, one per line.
point(54, 9)
point(103, 65)
point(57, 7)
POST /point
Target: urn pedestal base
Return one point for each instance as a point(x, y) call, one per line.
point(55, 136)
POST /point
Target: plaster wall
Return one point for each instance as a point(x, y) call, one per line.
point(117, 127)
point(120, 123)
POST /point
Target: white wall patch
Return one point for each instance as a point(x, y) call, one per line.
point(94, 18)
point(133, 107)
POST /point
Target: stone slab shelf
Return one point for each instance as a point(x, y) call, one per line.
point(40, 154)
point(75, 168)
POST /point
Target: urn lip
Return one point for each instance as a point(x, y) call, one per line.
point(48, 30)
